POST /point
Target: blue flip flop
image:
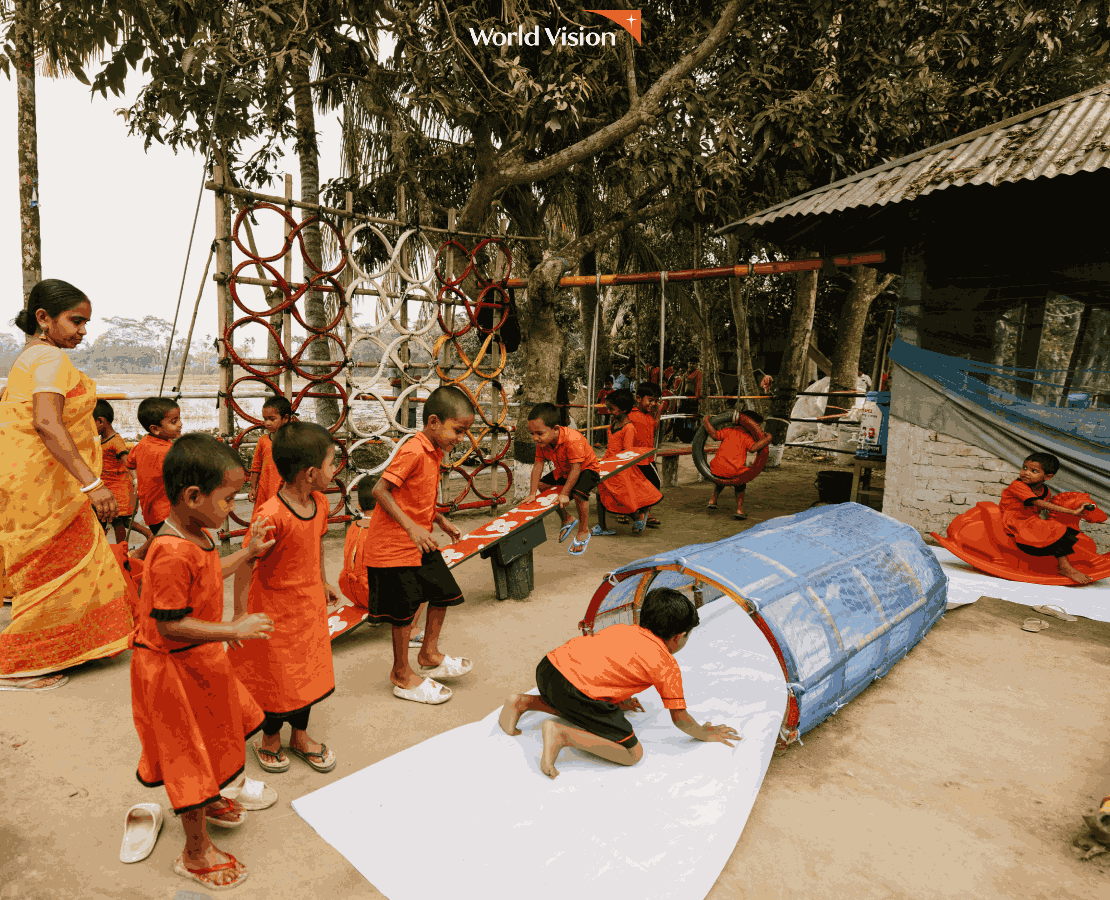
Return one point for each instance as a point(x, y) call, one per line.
point(566, 529)
point(597, 530)
point(581, 545)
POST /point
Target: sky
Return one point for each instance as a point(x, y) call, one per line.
point(115, 219)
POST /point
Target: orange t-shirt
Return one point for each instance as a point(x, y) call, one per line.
point(414, 474)
point(293, 669)
point(732, 456)
point(645, 431)
point(113, 472)
point(1022, 519)
point(619, 662)
point(269, 480)
point(353, 580)
point(146, 458)
point(190, 711)
point(570, 447)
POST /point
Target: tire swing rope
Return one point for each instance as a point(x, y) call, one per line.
point(697, 449)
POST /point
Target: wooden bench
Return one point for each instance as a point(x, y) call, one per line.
point(668, 456)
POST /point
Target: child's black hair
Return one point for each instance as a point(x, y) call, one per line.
point(1048, 462)
point(447, 402)
point(154, 409)
point(751, 414)
point(279, 405)
point(648, 389)
point(548, 413)
point(366, 485)
point(608, 379)
point(197, 460)
point(666, 613)
point(103, 410)
point(298, 446)
point(622, 400)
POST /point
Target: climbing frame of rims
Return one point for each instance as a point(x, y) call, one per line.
point(401, 326)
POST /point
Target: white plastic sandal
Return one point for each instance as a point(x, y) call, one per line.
point(428, 691)
point(141, 827)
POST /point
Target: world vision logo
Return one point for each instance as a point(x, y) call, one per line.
point(628, 19)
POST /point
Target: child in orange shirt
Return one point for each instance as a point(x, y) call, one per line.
point(161, 417)
point(292, 671)
point(1021, 506)
point(190, 711)
point(731, 460)
point(629, 493)
point(645, 416)
point(591, 681)
point(404, 565)
point(353, 580)
point(576, 470)
point(114, 473)
point(265, 479)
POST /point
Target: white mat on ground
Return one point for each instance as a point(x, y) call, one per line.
point(966, 584)
point(663, 828)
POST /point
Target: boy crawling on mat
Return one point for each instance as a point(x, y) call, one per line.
point(590, 682)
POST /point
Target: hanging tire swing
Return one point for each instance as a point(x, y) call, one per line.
point(697, 449)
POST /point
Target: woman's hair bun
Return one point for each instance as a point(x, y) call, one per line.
point(21, 322)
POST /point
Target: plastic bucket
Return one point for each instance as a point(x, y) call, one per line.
point(834, 486)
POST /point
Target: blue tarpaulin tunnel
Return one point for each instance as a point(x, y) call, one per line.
point(840, 592)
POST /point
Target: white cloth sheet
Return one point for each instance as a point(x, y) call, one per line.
point(663, 828)
point(966, 584)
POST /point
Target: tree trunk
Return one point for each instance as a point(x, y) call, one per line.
point(866, 286)
point(30, 240)
point(738, 295)
point(793, 359)
point(327, 409)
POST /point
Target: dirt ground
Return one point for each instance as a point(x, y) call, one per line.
point(963, 773)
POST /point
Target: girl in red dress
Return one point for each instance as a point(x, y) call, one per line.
point(628, 493)
point(265, 479)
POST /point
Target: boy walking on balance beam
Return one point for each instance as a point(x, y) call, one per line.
point(591, 681)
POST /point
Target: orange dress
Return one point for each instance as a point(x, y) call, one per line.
point(645, 431)
point(269, 480)
point(1022, 520)
point(146, 458)
point(293, 669)
point(629, 491)
point(731, 460)
point(353, 580)
point(190, 710)
point(113, 472)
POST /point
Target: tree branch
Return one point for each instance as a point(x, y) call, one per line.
point(580, 246)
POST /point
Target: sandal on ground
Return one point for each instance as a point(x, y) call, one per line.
point(711, 506)
point(417, 640)
point(225, 813)
point(638, 526)
point(203, 876)
point(566, 530)
point(653, 522)
point(141, 826)
point(431, 692)
point(739, 517)
point(578, 547)
point(322, 760)
point(598, 532)
point(41, 683)
point(271, 760)
point(623, 520)
point(251, 795)
point(1052, 610)
point(451, 667)
point(1034, 625)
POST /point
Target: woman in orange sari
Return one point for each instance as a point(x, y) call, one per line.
point(70, 603)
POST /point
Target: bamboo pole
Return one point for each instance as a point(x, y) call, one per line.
point(223, 302)
point(287, 317)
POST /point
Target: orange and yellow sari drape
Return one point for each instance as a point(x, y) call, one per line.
point(70, 601)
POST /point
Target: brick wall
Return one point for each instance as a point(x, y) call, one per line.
point(931, 478)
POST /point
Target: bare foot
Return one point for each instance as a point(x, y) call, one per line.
point(430, 659)
point(511, 712)
point(34, 682)
point(553, 743)
point(1069, 571)
point(213, 856)
point(272, 744)
point(408, 682)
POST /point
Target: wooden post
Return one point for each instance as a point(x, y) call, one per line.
point(880, 351)
point(287, 317)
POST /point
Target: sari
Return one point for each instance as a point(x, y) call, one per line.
point(70, 601)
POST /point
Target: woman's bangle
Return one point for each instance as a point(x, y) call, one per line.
point(92, 486)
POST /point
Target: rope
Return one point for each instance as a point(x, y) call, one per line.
point(193, 231)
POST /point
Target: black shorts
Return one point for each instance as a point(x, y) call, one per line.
point(1062, 546)
point(598, 717)
point(587, 482)
point(651, 475)
point(396, 592)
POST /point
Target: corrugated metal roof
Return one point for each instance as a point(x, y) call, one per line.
point(1069, 136)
